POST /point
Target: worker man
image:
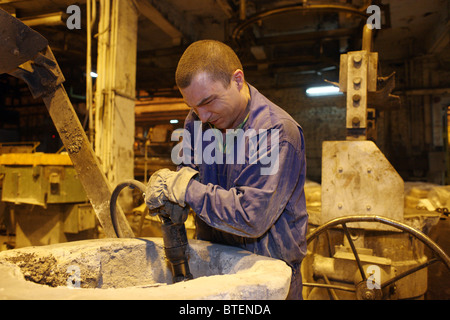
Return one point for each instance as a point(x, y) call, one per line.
point(242, 162)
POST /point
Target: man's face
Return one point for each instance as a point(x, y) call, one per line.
point(213, 103)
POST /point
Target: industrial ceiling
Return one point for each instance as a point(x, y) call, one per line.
point(290, 43)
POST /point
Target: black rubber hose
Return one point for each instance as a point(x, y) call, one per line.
point(112, 205)
point(174, 235)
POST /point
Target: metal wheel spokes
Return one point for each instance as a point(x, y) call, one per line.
point(355, 253)
point(407, 273)
point(439, 254)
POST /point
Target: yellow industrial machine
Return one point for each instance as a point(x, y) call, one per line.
point(45, 198)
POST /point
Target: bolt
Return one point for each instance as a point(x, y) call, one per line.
point(340, 170)
point(357, 83)
point(357, 60)
point(368, 295)
point(340, 205)
point(356, 100)
point(357, 80)
point(356, 122)
point(368, 207)
point(369, 170)
point(15, 52)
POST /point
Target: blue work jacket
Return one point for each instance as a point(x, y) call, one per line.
point(237, 203)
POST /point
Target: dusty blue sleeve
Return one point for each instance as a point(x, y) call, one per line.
point(253, 205)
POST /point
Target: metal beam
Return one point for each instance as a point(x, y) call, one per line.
point(151, 13)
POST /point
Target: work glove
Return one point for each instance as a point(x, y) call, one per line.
point(165, 185)
point(175, 212)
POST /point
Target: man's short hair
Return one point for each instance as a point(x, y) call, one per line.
point(211, 56)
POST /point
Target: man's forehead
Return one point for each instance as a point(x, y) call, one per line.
point(201, 89)
point(201, 76)
point(200, 102)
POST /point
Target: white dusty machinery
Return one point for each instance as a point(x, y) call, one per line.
point(362, 244)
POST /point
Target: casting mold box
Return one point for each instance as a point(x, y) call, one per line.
point(137, 269)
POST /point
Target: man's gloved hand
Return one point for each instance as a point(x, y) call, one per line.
point(175, 212)
point(165, 185)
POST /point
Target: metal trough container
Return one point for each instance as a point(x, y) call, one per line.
point(137, 269)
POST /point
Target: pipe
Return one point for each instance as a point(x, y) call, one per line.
point(242, 10)
point(112, 205)
point(101, 102)
point(237, 32)
point(51, 19)
point(174, 234)
point(367, 39)
point(88, 71)
point(93, 13)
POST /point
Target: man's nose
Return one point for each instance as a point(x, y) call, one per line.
point(203, 114)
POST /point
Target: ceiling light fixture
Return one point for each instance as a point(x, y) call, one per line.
point(323, 91)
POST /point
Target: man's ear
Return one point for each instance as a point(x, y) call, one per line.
point(238, 77)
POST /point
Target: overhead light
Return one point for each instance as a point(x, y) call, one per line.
point(174, 121)
point(322, 91)
point(93, 74)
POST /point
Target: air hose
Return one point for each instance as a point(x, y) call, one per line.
point(174, 234)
